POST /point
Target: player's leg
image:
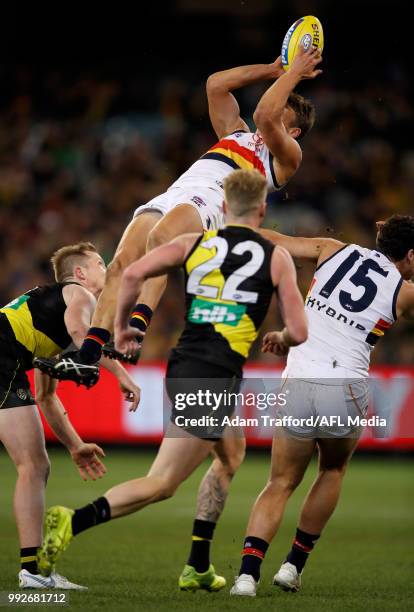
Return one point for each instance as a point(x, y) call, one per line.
point(228, 455)
point(290, 458)
point(320, 503)
point(21, 432)
point(182, 219)
point(178, 456)
point(131, 247)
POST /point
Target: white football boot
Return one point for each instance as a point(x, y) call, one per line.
point(54, 581)
point(34, 581)
point(288, 578)
point(244, 585)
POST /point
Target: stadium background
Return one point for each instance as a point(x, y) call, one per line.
point(100, 109)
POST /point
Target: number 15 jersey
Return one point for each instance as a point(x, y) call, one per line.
point(350, 304)
point(228, 292)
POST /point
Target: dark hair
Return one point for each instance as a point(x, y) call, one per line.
point(396, 236)
point(305, 112)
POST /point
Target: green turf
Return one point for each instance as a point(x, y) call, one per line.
point(363, 562)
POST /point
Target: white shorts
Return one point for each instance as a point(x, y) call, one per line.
point(208, 202)
point(319, 410)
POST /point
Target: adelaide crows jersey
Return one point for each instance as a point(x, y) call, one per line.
point(350, 305)
point(37, 321)
point(228, 291)
point(237, 150)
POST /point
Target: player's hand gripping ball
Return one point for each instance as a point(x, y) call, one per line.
point(305, 32)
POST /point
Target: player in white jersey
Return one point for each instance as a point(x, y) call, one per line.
point(195, 201)
point(355, 296)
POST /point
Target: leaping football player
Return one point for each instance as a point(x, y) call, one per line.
point(194, 203)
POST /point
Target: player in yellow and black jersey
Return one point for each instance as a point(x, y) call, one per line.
point(230, 277)
point(41, 323)
point(227, 296)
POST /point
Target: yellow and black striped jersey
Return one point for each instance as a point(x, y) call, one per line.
point(37, 321)
point(228, 292)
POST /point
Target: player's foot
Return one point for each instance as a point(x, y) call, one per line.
point(56, 538)
point(110, 351)
point(245, 585)
point(63, 583)
point(54, 581)
point(69, 367)
point(287, 578)
point(190, 580)
point(34, 581)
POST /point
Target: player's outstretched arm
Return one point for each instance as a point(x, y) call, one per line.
point(269, 113)
point(222, 105)
point(290, 299)
point(156, 263)
point(85, 456)
point(291, 306)
point(314, 249)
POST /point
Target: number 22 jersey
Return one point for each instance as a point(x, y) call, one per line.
point(350, 304)
point(228, 292)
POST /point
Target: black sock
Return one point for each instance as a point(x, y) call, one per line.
point(141, 317)
point(91, 349)
point(302, 545)
point(28, 559)
point(90, 515)
point(253, 554)
point(200, 549)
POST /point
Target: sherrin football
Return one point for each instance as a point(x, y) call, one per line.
point(305, 31)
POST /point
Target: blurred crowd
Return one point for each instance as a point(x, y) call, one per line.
point(79, 153)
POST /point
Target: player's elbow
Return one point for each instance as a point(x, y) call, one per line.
point(213, 82)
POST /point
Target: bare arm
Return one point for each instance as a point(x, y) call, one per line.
point(80, 305)
point(85, 456)
point(315, 249)
point(156, 263)
point(405, 301)
point(291, 302)
point(223, 107)
point(268, 115)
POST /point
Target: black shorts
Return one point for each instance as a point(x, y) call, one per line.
point(14, 384)
point(205, 381)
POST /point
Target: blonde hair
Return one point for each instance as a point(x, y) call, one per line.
point(66, 258)
point(244, 191)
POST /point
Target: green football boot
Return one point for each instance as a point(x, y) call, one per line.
point(190, 580)
point(56, 537)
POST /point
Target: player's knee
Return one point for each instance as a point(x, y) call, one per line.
point(119, 263)
point(157, 236)
point(285, 483)
point(231, 463)
point(35, 469)
point(334, 467)
point(165, 490)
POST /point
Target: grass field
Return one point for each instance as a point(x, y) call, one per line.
point(364, 561)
